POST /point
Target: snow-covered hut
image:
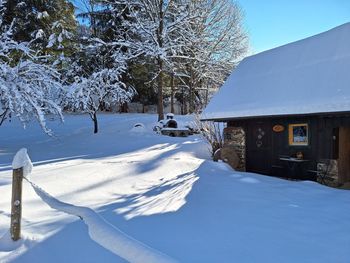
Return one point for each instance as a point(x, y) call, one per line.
point(288, 102)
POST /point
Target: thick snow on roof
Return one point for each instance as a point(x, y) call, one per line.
point(308, 76)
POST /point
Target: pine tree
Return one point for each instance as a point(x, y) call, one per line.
point(49, 26)
point(98, 70)
point(28, 88)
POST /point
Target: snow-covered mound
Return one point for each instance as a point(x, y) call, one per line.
point(138, 128)
point(165, 193)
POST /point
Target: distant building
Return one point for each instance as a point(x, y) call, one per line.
point(288, 109)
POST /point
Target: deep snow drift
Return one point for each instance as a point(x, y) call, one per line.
point(165, 193)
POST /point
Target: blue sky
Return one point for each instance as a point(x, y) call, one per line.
point(272, 23)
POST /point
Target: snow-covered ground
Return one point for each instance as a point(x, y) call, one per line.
point(163, 192)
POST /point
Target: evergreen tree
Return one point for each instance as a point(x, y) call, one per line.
point(28, 88)
point(98, 69)
point(49, 26)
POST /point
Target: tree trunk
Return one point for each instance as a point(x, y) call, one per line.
point(3, 115)
point(94, 118)
point(160, 108)
point(191, 106)
point(172, 110)
point(183, 101)
point(191, 99)
point(206, 96)
point(123, 108)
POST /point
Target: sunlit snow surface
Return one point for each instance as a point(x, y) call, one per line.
point(165, 193)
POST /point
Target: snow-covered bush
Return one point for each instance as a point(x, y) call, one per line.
point(27, 86)
point(212, 132)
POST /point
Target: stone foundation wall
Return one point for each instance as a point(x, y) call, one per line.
point(235, 138)
point(327, 172)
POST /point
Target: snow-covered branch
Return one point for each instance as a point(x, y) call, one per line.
point(27, 87)
point(103, 87)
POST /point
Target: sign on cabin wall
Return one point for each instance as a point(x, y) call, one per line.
point(298, 134)
point(278, 128)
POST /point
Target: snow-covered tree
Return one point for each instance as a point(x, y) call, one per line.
point(102, 87)
point(28, 88)
point(49, 26)
point(194, 44)
point(157, 30)
point(218, 44)
point(98, 70)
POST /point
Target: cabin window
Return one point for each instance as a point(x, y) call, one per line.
point(298, 134)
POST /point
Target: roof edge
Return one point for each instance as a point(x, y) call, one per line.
point(323, 114)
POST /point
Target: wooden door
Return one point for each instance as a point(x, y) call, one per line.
point(344, 154)
point(259, 149)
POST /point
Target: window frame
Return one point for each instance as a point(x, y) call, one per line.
point(291, 134)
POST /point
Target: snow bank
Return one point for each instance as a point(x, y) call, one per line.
point(22, 159)
point(106, 234)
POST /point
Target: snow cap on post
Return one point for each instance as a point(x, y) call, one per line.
point(22, 159)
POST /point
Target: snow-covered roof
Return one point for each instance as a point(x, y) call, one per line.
point(304, 77)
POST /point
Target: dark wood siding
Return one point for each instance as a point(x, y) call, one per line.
point(323, 141)
point(259, 148)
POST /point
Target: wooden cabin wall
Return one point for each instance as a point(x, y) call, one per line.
point(323, 141)
point(344, 155)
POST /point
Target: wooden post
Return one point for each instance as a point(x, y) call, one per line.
point(16, 204)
